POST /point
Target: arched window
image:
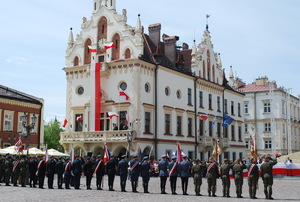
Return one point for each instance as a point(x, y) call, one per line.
point(87, 53)
point(213, 73)
point(127, 53)
point(76, 61)
point(208, 66)
point(203, 71)
point(102, 34)
point(116, 49)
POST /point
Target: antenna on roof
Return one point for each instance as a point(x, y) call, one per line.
point(207, 16)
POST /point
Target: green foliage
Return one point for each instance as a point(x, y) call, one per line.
point(52, 135)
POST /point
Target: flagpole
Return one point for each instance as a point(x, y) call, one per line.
point(119, 114)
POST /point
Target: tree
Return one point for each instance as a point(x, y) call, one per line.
point(52, 135)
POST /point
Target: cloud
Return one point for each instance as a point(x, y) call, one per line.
point(16, 60)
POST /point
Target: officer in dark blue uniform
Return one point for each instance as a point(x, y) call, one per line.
point(111, 166)
point(174, 174)
point(76, 168)
point(163, 173)
point(88, 172)
point(41, 171)
point(67, 172)
point(123, 172)
point(134, 172)
point(59, 169)
point(99, 170)
point(145, 173)
point(184, 168)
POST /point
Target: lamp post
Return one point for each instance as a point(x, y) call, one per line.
point(28, 128)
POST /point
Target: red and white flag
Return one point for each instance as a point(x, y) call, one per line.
point(203, 116)
point(122, 93)
point(106, 154)
point(179, 156)
point(253, 149)
point(65, 123)
point(18, 146)
point(79, 118)
point(109, 45)
point(112, 114)
point(92, 49)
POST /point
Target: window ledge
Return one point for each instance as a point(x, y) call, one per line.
point(190, 105)
point(168, 134)
point(191, 136)
point(179, 135)
point(147, 133)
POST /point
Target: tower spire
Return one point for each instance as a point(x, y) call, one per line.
point(139, 28)
point(207, 16)
point(71, 39)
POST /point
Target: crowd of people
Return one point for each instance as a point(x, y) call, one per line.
point(23, 170)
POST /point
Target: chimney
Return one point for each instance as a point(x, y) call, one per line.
point(185, 46)
point(154, 33)
point(262, 81)
point(170, 47)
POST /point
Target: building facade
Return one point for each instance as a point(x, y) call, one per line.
point(13, 104)
point(273, 115)
point(168, 86)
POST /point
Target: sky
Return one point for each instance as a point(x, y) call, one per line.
point(257, 38)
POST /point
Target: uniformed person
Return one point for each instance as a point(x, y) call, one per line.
point(2, 169)
point(252, 177)
point(123, 172)
point(41, 171)
point(76, 168)
point(267, 175)
point(59, 169)
point(163, 173)
point(145, 173)
point(134, 167)
point(225, 169)
point(8, 170)
point(237, 171)
point(174, 172)
point(212, 175)
point(23, 170)
point(32, 166)
point(50, 169)
point(16, 170)
point(88, 172)
point(184, 170)
point(99, 171)
point(67, 172)
point(111, 167)
point(197, 172)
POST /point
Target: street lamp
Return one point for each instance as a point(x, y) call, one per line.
point(28, 128)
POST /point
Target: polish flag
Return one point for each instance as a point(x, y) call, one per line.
point(112, 114)
point(109, 45)
point(18, 146)
point(93, 49)
point(203, 116)
point(106, 154)
point(79, 118)
point(65, 123)
point(122, 93)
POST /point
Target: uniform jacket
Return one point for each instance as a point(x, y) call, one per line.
point(51, 167)
point(136, 169)
point(88, 168)
point(101, 168)
point(111, 167)
point(123, 167)
point(145, 169)
point(267, 167)
point(237, 170)
point(225, 168)
point(76, 166)
point(59, 167)
point(163, 168)
point(176, 171)
point(184, 168)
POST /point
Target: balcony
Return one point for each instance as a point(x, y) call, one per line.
point(206, 141)
point(224, 142)
point(94, 137)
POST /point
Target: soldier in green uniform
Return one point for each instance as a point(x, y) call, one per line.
point(252, 177)
point(197, 172)
point(23, 170)
point(237, 171)
point(225, 168)
point(16, 170)
point(8, 170)
point(267, 176)
point(212, 174)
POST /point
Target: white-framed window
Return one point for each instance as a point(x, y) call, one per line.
point(267, 107)
point(246, 108)
point(247, 144)
point(36, 123)
point(268, 144)
point(283, 128)
point(246, 128)
point(8, 122)
point(267, 127)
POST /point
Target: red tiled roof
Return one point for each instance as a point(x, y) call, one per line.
point(253, 88)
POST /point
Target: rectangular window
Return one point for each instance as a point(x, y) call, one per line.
point(226, 155)
point(210, 101)
point(201, 127)
point(283, 128)
point(241, 155)
point(219, 129)
point(240, 133)
point(233, 156)
point(8, 122)
point(78, 122)
point(268, 144)
point(167, 124)
point(267, 127)
point(246, 128)
point(147, 122)
point(210, 129)
point(225, 106)
point(247, 144)
point(123, 122)
point(283, 108)
point(246, 108)
point(20, 126)
point(190, 127)
point(189, 96)
point(219, 103)
point(104, 122)
point(179, 132)
point(225, 131)
point(190, 155)
point(267, 107)
point(239, 109)
point(200, 99)
point(232, 107)
point(232, 133)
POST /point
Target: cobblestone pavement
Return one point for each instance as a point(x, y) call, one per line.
point(284, 189)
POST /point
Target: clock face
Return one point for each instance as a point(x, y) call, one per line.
point(101, 43)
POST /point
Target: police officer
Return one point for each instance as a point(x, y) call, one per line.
point(267, 176)
point(225, 169)
point(23, 170)
point(184, 168)
point(32, 166)
point(197, 172)
point(145, 173)
point(123, 172)
point(252, 178)
point(237, 171)
point(134, 166)
point(212, 174)
point(8, 170)
point(174, 171)
point(99, 171)
point(163, 173)
point(76, 168)
point(88, 172)
point(41, 171)
point(59, 169)
point(67, 172)
point(50, 169)
point(111, 167)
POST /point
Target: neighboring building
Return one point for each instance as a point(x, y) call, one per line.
point(168, 85)
point(273, 114)
point(13, 104)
